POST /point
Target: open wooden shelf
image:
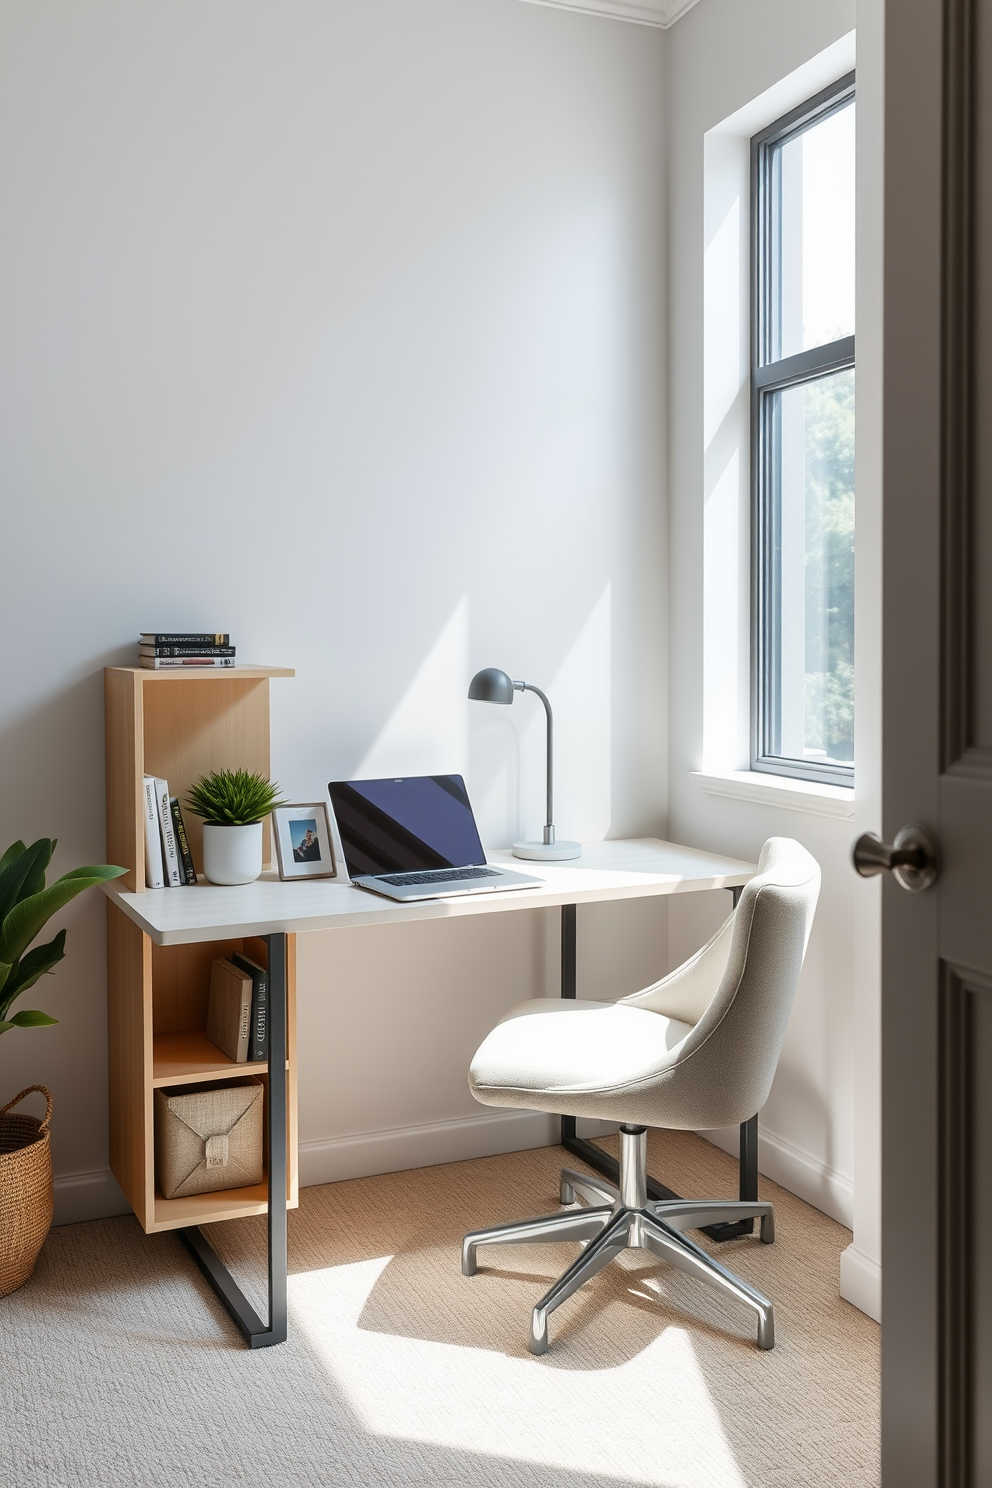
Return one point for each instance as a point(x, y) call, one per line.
point(209, 1208)
point(215, 674)
point(186, 1057)
point(179, 725)
point(191, 721)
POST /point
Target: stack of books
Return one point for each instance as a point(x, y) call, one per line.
point(193, 648)
point(168, 861)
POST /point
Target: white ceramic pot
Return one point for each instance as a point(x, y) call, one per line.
point(232, 855)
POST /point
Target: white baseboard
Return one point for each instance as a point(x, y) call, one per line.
point(82, 1196)
point(861, 1282)
point(805, 1176)
point(97, 1195)
point(398, 1148)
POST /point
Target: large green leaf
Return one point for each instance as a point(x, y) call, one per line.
point(5, 970)
point(14, 851)
point(30, 1018)
point(20, 878)
point(35, 881)
point(30, 967)
point(105, 868)
point(26, 919)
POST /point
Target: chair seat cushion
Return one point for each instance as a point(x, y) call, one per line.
point(545, 1049)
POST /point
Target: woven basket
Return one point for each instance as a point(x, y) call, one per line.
point(26, 1193)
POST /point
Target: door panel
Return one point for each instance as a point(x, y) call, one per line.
point(937, 751)
point(977, 526)
point(975, 1341)
point(965, 834)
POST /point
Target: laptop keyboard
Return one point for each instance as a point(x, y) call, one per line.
point(437, 875)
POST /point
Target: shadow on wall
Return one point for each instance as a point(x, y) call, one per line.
point(432, 727)
point(794, 1094)
point(52, 767)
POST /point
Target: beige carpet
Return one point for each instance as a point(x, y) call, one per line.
point(118, 1367)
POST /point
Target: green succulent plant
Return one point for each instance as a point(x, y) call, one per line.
point(233, 798)
point(26, 906)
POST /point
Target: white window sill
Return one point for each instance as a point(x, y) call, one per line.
point(779, 790)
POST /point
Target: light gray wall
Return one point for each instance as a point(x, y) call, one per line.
point(340, 325)
point(819, 1128)
point(861, 1263)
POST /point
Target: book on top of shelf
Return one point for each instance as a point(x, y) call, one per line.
point(186, 869)
point(154, 870)
point(170, 856)
point(184, 638)
point(148, 650)
point(258, 1044)
point(171, 663)
point(229, 1009)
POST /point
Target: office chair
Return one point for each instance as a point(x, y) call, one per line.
point(695, 1051)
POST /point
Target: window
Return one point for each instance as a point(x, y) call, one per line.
point(802, 460)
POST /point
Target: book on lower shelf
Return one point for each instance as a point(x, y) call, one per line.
point(258, 1045)
point(229, 1009)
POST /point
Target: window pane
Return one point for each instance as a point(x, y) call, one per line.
point(813, 188)
point(811, 666)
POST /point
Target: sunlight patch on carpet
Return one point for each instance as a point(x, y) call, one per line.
point(648, 1420)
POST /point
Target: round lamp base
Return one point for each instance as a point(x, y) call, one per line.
point(547, 852)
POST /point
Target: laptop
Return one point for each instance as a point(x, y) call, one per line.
point(415, 838)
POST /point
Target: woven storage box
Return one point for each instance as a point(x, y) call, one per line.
point(26, 1193)
point(208, 1137)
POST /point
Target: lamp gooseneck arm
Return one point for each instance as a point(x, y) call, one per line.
point(549, 828)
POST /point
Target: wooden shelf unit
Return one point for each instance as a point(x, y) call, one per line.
point(177, 725)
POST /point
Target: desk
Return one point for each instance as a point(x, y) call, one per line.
point(271, 910)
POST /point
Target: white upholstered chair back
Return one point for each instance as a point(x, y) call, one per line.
point(736, 995)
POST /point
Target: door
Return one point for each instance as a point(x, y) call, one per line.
point(937, 745)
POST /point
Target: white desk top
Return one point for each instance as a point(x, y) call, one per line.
point(607, 870)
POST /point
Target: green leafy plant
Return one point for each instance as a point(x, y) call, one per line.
point(26, 906)
point(233, 798)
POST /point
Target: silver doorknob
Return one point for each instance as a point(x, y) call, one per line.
point(912, 858)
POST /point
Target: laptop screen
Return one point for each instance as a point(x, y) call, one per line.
point(398, 826)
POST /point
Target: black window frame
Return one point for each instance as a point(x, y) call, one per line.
point(768, 377)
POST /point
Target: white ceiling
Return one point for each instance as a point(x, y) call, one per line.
point(645, 12)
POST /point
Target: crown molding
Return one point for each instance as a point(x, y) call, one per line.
point(642, 12)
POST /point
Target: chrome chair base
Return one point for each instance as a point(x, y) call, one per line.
point(624, 1218)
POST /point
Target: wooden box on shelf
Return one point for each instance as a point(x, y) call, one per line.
point(178, 726)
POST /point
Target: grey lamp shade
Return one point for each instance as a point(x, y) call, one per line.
point(491, 686)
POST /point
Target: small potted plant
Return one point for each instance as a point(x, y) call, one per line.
point(232, 804)
point(26, 906)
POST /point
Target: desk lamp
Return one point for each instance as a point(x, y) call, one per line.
point(494, 686)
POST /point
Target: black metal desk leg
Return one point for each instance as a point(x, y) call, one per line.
point(568, 1137)
point(607, 1165)
point(256, 1333)
point(748, 1181)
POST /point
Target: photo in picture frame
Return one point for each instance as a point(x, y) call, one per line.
point(303, 841)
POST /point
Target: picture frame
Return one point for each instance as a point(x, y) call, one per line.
point(304, 844)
